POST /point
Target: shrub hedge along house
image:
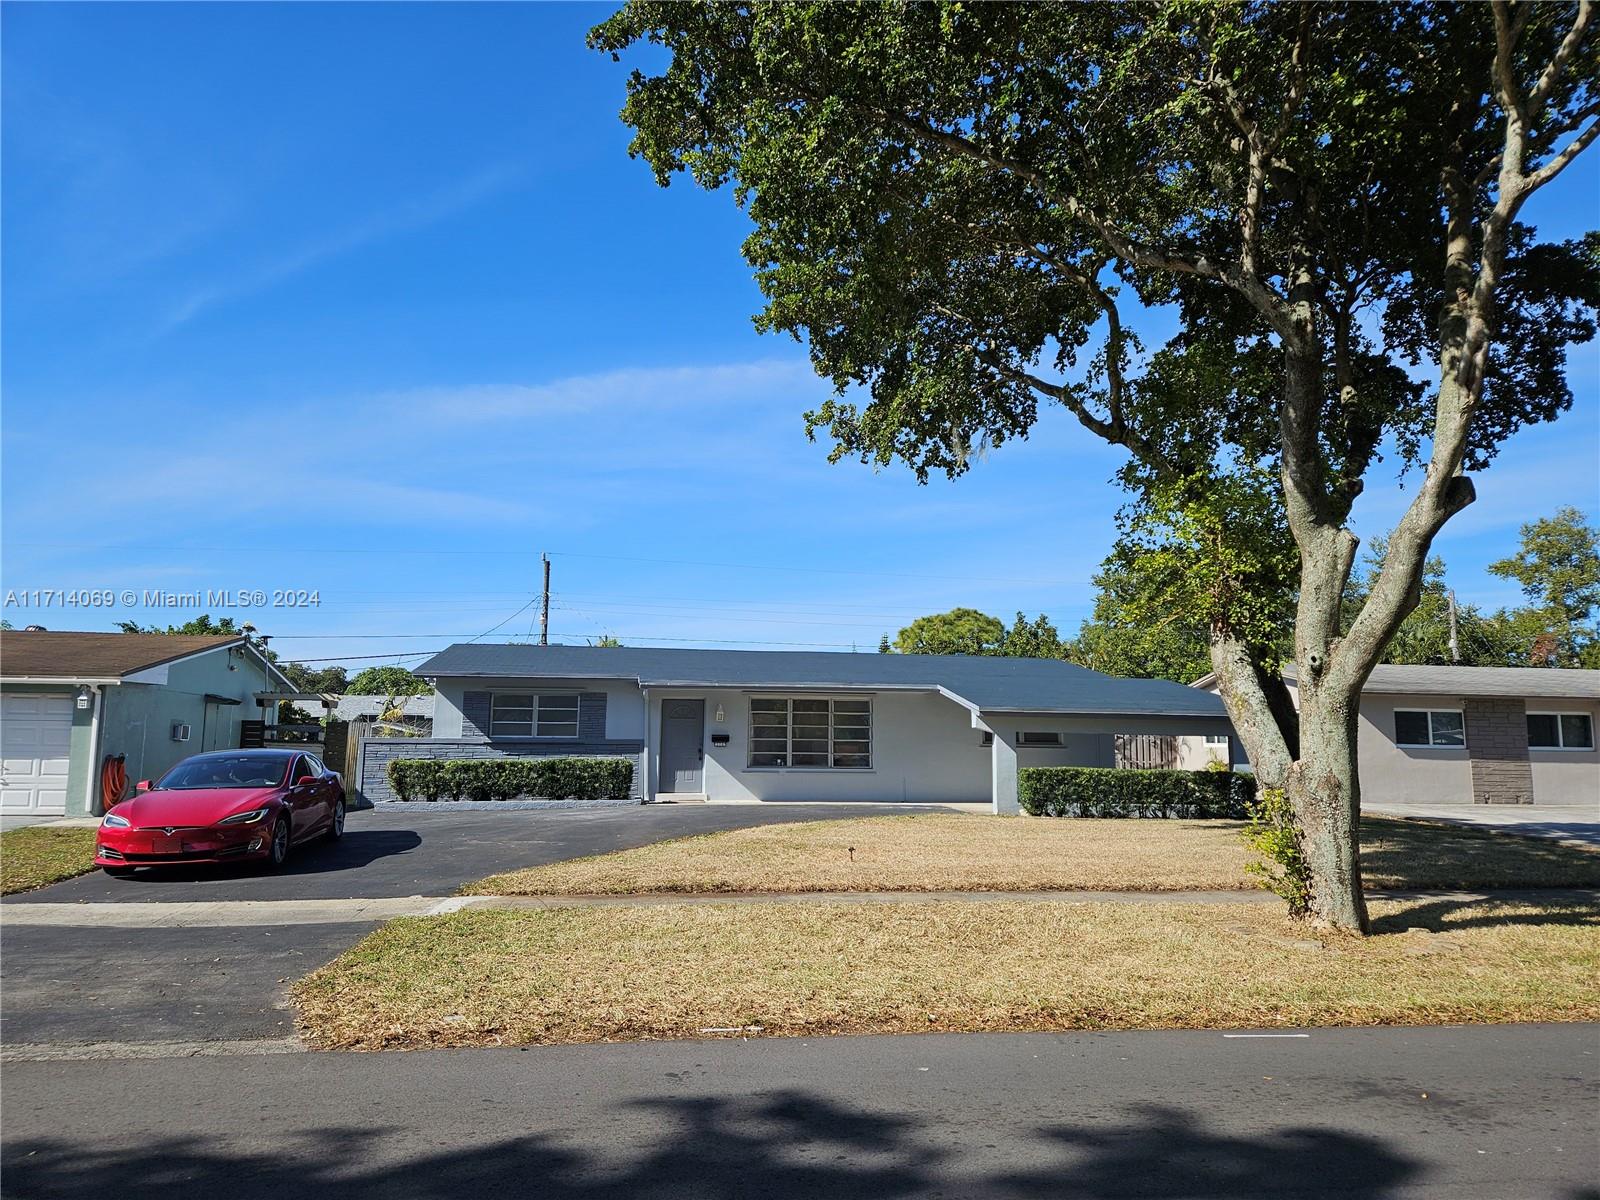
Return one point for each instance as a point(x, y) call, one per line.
point(750, 726)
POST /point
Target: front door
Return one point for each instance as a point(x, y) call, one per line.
point(683, 731)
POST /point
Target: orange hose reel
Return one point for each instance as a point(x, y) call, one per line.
point(113, 780)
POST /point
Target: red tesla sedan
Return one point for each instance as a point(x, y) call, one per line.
point(223, 806)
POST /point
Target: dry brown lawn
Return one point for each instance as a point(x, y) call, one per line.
point(955, 852)
point(585, 974)
point(43, 854)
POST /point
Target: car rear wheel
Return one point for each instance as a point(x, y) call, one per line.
point(118, 872)
point(336, 826)
point(278, 848)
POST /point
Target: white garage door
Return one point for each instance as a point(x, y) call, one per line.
point(35, 743)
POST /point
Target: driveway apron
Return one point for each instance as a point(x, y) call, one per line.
point(94, 982)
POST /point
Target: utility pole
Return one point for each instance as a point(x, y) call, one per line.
point(1455, 643)
point(544, 604)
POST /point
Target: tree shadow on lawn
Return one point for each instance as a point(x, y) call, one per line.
point(785, 1146)
point(1433, 854)
point(1447, 915)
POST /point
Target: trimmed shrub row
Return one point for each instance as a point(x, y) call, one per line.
point(510, 778)
point(1121, 792)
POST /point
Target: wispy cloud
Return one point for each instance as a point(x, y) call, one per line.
point(635, 389)
point(405, 218)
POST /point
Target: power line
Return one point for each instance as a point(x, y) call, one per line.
point(358, 657)
point(570, 637)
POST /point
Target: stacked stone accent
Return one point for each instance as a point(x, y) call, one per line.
point(377, 753)
point(1497, 743)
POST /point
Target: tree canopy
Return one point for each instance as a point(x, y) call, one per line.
point(956, 207)
point(1558, 566)
point(388, 681)
point(202, 625)
point(968, 631)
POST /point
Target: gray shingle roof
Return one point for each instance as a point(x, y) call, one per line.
point(1545, 682)
point(1040, 685)
point(44, 654)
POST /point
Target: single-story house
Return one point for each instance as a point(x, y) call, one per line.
point(1468, 735)
point(414, 710)
point(738, 725)
point(69, 701)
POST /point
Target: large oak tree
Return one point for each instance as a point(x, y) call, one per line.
point(953, 205)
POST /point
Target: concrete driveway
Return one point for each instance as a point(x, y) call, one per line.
point(85, 983)
point(1575, 824)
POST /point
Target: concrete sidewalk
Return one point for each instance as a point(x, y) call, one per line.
point(1572, 824)
point(23, 820)
point(224, 914)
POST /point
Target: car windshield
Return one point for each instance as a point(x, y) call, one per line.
point(227, 771)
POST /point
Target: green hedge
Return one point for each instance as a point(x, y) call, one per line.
point(1121, 792)
point(509, 778)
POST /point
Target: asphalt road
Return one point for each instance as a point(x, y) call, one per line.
point(1477, 1113)
point(93, 984)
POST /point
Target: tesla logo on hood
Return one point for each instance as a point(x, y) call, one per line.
point(169, 830)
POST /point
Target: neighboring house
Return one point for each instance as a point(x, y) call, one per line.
point(732, 725)
point(415, 711)
point(68, 701)
point(1464, 735)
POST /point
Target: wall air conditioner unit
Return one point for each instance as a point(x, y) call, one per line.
point(180, 732)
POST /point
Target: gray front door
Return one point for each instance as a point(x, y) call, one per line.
point(683, 730)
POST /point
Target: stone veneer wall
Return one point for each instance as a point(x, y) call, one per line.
point(1497, 743)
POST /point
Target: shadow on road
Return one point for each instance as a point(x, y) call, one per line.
point(352, 852)
point(786, 1146)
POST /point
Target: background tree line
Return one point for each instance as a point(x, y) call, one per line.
point(1143, 625)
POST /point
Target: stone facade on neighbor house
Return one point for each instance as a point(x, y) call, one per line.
point(1497, 734)
point(1461, 735)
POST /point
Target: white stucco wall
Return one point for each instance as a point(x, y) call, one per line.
point(924, 748)
point(1196, 754)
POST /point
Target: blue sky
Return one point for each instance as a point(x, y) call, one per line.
point(370, 300)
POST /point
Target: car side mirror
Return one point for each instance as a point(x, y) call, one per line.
point(142, 786)
point(305, 781)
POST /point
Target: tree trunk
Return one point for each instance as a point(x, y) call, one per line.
point(1324, 789)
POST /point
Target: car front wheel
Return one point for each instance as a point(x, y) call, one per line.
point(336, 826)
point(278, 848)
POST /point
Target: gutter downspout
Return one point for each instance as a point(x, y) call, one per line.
point(646, 791)
point(93, 805)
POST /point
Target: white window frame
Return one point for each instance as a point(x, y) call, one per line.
point(536, 712)
point(1561, 734)
point(1216, 739)
point(1430, 744)
point(788, 701)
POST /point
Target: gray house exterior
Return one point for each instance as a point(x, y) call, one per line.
point(68, 701)
point(735, 726)
point(1469, 735)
